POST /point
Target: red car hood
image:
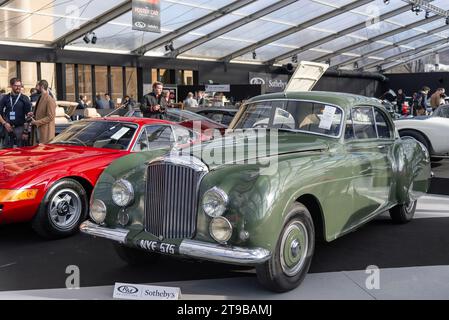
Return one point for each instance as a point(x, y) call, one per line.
point(14, 162)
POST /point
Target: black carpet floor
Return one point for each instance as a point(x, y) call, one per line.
point(26, 262)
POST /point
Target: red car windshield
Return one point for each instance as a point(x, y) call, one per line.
point(98, 134)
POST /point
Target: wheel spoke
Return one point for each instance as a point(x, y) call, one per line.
point(65, 209)
point(67, 198)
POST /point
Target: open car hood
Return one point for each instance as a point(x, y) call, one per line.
point(306, 76)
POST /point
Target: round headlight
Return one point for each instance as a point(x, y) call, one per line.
point(221, 229)
point(98, 211)
point(215, 202)
point(122, 193)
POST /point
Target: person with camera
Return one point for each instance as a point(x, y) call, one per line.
point(14, 109)
point(154, 105)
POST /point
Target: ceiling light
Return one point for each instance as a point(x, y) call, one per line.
point(87, 38)
point(94, 38)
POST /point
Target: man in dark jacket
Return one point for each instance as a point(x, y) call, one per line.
point(421, 104)
point(14, 109)
point(154, 105)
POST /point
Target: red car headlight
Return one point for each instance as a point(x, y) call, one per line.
point(17, 195)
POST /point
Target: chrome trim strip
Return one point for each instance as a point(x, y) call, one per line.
point(95, 230)
point(219, 253)
point(181, 160)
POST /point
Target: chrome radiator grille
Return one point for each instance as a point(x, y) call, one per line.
point(172, 200)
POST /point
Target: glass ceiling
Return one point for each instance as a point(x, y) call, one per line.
point(42, 22)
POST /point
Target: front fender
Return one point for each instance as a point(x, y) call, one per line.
point(412, 168)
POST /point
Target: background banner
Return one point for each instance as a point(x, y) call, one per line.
point(147, 15)
point(270, 83)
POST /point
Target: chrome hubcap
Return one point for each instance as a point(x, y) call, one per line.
point(65, 209)
point(410, 206)
point(294, 248)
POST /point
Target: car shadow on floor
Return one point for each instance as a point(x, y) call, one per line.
point(28, 262)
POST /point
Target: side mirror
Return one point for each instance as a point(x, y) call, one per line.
point(143, 145)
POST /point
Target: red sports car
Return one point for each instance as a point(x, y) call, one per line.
point(50, 184)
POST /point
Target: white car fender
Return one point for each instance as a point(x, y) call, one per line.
point(436, 130)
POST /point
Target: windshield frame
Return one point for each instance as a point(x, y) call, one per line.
point(246, 105)
point(131, 144)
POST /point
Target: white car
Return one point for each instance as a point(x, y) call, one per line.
point(432, 131)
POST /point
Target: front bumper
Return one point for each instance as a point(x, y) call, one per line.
point(191, 248)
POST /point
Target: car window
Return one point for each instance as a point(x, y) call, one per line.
point(183, 136)
point(256, 115)
point(98, 134)
point(302, 116)
point(363, 122)
point(384, 129)
point(155, 137)
point(442, 112)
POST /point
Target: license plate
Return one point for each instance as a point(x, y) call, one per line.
point(160, 247)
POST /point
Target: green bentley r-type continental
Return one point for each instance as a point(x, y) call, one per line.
point(294, 168)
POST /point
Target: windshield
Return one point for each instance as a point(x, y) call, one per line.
point(174, 115)
point(177, 115)
point(98, 134)
point(303, 116)
point(442, 112)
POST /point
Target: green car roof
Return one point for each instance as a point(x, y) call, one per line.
point(343, 100)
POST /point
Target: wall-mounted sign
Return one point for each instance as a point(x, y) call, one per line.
point(270, 82)
point(147, 15)
point(218, 88)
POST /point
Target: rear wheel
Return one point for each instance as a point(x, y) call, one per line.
point(293, 254)
point(404, 213)
point(135, 257)
point(63, 209)
point(417, 136)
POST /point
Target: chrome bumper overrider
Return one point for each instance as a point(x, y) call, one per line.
point(191, 248)
point(95, 230)
point(219, 253)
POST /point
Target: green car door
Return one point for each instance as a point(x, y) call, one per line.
point(371, 165)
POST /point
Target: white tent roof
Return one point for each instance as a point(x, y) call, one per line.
point(368, 34)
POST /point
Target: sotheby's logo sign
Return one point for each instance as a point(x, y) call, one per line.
point(141, 292)
point(270, 82)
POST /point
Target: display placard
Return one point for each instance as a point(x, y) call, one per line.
point(142, 292)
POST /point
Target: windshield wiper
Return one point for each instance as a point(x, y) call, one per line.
point(67, 142)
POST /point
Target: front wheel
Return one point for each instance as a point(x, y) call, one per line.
point(62, 210)
point(293, 254)
point(404, 213)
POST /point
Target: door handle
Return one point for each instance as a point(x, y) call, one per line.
point(381, 147)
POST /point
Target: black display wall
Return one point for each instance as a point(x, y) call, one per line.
point(413, 82)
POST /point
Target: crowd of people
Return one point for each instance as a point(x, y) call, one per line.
point(27, 120)
point(420, 103)
point(202, 100)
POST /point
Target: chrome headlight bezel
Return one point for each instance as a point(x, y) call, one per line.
point(225, 225)
point(123, 187)
point(98, 211)
point(215, 194)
